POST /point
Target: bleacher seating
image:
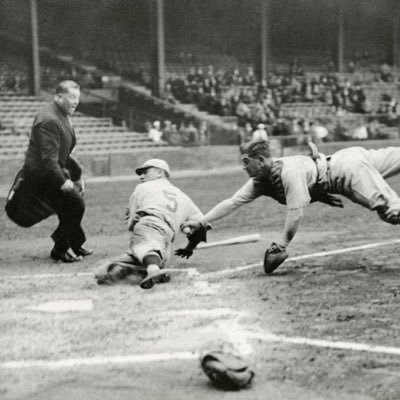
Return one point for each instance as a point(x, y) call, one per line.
point(306, 110)
point(94, 135)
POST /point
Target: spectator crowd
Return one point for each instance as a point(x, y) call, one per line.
point(185, 133)
point(256, 103)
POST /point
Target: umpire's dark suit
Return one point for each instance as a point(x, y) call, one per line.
point(45, 171)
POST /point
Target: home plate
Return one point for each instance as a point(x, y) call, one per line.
point(64, 306)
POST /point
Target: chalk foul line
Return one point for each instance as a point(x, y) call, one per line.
point(194, 271)
point(307, 256)
point(99, 360)
point(192, 355)
point(339, 345)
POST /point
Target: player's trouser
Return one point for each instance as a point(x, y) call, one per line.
point(359, 174)
point(69, 207)
point(150, 235)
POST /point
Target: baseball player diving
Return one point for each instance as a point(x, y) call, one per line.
point(157, 211)
point(297, 181)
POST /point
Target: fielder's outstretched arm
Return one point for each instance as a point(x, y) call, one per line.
point(221, 210)
point(292, 223)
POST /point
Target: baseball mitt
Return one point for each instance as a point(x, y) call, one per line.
point(226, 370)
point(275, 255)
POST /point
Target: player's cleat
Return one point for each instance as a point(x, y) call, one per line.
point(63, 256)
point(159, 276)
point(115, 272)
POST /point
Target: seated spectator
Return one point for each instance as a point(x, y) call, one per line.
point(175, 137)
point(351, 66)
point(295, 68)
point(166, 131)
point(245, 133)
point(204, 138)
point(280, 128)
point(360, 133)
point(190, 134)
point(222, 108)
point(155, 133)
point(148, 125)
point(168, 95)
point(258, 113)
point(385, 72)
point(88, 81)
point(260, 133)
point(373, 129)
point(318, 132)
point(243, 112)
point(296, 127)
point(341, 132)
point(358, 99)
point(393, 112)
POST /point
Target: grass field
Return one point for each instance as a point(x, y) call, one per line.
point(320, 327)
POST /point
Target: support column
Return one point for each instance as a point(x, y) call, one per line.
point(395, 42)
point(35, 62)
point(265, 42)
point(157, 47)
point(340, 37)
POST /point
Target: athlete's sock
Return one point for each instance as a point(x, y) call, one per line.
point(152, 262)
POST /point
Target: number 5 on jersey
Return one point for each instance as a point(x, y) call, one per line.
point(172, 202)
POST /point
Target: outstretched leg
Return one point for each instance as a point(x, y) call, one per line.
point(359, 174)
point(155, 274)
point(111, 271)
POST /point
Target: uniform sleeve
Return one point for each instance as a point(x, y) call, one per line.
point(292, 224)
point(133, 200)
point(48, 134)
point(192, 212)
point(296, 189)
point(245, 194)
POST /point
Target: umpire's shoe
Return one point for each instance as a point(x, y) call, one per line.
point(63, 256)
point(83, 252)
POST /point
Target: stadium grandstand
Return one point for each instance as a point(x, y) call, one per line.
point(204, 73)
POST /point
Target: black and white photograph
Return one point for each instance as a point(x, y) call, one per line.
point(200, 199)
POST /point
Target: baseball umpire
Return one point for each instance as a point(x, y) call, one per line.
point(157, 210)
point(45, 185)
point(296, 181)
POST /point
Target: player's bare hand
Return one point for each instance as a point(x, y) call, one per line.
point(67, 186)
point(192, 224)
point(184, 253)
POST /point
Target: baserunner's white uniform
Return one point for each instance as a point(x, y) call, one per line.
point(159, 208)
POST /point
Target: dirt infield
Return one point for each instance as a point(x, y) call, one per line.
point(319, 328)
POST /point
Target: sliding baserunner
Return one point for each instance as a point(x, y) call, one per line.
point(157, 210)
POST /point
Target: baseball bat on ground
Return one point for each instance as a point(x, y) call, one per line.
point(255, 237)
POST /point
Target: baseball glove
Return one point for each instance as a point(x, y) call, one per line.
point(199, 235)
point(275, 255)
point(226, 370)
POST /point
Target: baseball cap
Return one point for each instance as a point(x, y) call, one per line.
point(156, 163)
